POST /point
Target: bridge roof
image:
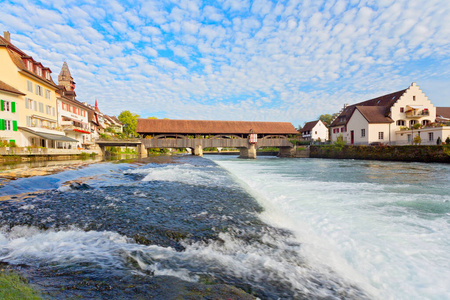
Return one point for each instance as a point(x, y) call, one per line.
point(212, 127)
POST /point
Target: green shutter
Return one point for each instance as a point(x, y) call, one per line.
point(13, 107)
point(14, 125)
point(2, 106)
point(2, 124)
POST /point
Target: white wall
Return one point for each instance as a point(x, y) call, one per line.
point(320, 131)
point(408, 99)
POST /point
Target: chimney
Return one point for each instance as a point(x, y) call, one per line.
point(7, 36)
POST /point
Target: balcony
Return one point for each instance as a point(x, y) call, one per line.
point(75, 126)
point(416, 112)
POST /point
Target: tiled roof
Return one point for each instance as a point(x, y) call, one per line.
point(443, 112)
point(375, 114)
point(16, 56)
point(10, 89)
point(212, 127)
point(385, 101)
point(309, 126)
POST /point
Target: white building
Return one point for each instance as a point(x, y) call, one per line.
point(315, 131)
point(394, 119)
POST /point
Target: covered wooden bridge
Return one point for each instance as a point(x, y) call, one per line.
point(197, 135)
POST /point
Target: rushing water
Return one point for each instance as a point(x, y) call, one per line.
point(192, 228)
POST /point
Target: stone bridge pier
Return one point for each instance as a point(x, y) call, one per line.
point(249, 152)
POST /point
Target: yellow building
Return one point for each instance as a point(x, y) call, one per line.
point(36, 105)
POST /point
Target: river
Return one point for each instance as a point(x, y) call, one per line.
point(195, 228)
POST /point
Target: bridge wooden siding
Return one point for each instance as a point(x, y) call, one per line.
point(212, 143)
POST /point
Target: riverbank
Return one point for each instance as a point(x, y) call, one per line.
point(13, 286)
point(411, 153)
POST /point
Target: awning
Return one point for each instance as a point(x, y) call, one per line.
point(49, 136)
point(415, 107)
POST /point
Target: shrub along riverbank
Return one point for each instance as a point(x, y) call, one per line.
point(411, 153)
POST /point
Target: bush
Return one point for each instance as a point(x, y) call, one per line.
point(417, 140)
point(438, 141)
point(417, 126)
point(447, 140)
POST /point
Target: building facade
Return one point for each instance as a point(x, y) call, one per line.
point(394, 119)
point(9, 119)
point(73, 116)
point(36, 106)
point(315, 131)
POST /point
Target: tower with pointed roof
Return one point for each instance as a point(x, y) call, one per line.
point(65, 80)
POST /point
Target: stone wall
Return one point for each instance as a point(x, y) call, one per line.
point(395, 153)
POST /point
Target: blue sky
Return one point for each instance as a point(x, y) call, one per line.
point(237, 59)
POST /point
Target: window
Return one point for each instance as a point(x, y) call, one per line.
point(6, 125)
point(425, 122)
point(35, 105)
point(41, 107)
point(414, 98)
point(402, 109)
point(412, 122)
point(47, 75)
point(29, 86)
point(363, 132)
point(5, 105)
point(38, 90)
point(380, 135)
point(39, 71)
point(47, 94)
point(430, 136)
point(29, 65)
point(48, 110)
point(400, 123)
point(28, 121)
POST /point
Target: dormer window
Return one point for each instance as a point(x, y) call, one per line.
point(39, 71)
point(47, 75)
point(29, 65)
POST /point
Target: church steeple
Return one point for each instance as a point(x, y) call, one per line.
point(65, 78)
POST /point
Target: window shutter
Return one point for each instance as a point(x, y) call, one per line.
point(14, 125)
point(13, 107)
point(2, 124)
point(2, 107)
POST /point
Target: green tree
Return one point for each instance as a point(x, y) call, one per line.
point(327, 118)
point(417, 140)
point(129, 121)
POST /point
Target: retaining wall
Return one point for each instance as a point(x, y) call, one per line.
point(436, 153)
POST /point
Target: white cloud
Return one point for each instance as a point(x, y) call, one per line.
point(235, 59)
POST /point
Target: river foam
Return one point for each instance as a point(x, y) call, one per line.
point(388, 236)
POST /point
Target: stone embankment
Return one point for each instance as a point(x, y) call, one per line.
point(32, 153)
point(439, 154)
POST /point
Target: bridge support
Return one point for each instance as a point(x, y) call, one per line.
point(249, 152)
point(141, 150)
point(287, 152)
point(198, 150)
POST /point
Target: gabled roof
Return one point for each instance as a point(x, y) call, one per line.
point(212, 127)
point(385, 101)
point(7, 88)
point(442, 114)
point(309, 126)
point(375, 114)
point(17, 56)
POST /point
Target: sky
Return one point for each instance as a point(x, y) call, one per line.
point(259, 60)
